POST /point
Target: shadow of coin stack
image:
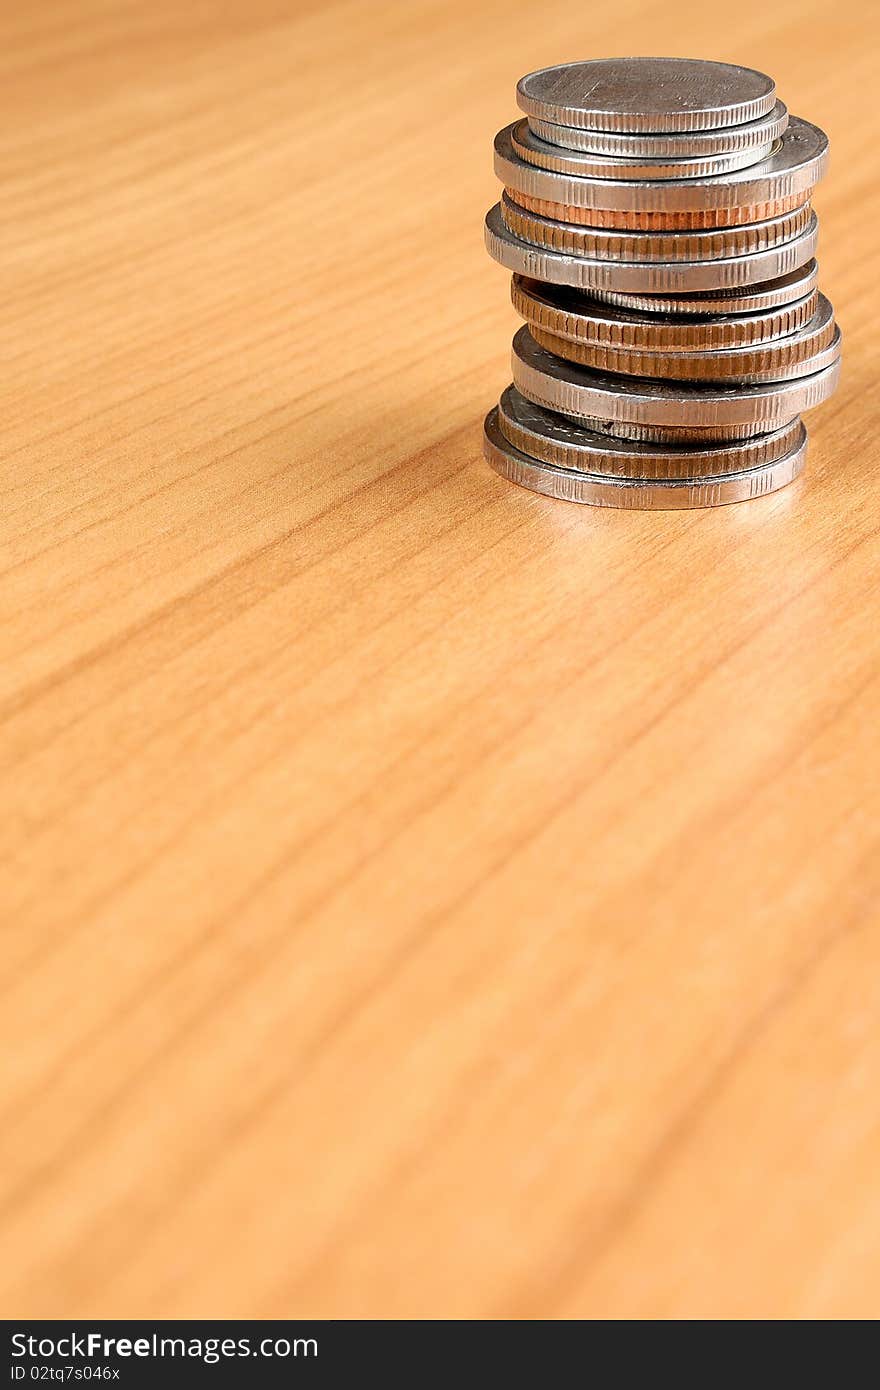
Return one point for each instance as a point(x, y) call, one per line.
point(656, 217)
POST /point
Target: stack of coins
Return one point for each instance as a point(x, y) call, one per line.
point(656, 217)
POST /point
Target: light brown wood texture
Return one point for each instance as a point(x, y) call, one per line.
point(420, 898)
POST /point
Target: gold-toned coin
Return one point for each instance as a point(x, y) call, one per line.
point(571, 314)
point(799, 354)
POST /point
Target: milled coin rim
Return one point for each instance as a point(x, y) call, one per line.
point(580, 392)
point(613, 243)
point(697, 118)
point(794, 168)
point(659, 277)
point(545, 155)
point(750, 135)
point(551, 438)
point(673, 434)
point(653, 219)
point(670, 367)
point(599, 490)
point(807, 350)
point(600, 324)
point(740, 299)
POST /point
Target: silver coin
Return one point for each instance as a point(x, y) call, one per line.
point(686, 144)
point(691, 435)
point(611, 243)
point(646, 94)
point(802, 353)
point(745, 299)
point(580, 392)
point(659, 277)
point(597, 166)
point(551, 438)
point(571, 314)
point(602, 490)
point(794, 168)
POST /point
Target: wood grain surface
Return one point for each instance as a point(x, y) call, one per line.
point(421, 898)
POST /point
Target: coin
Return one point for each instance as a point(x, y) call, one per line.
point(687, 144)
point(596, 166)
point(792, 169)
point(646, 94)
point(660, 277)
point(693, 435)
point(578, 391)
point(571, 314)
point(732, 368)
point(550, 438)
point(613, 244)
point(801, 353)
point(656, 220)
point(656, 217)
point(603, 490)
point(742, 299)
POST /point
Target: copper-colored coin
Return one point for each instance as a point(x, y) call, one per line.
point(569, 314)
point(645, 276)
point(653, 220)
point(617, 245)
point(800, 354)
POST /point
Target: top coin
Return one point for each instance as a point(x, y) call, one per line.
point(656, 94)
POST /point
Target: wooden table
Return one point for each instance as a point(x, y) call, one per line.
point(421, 897)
